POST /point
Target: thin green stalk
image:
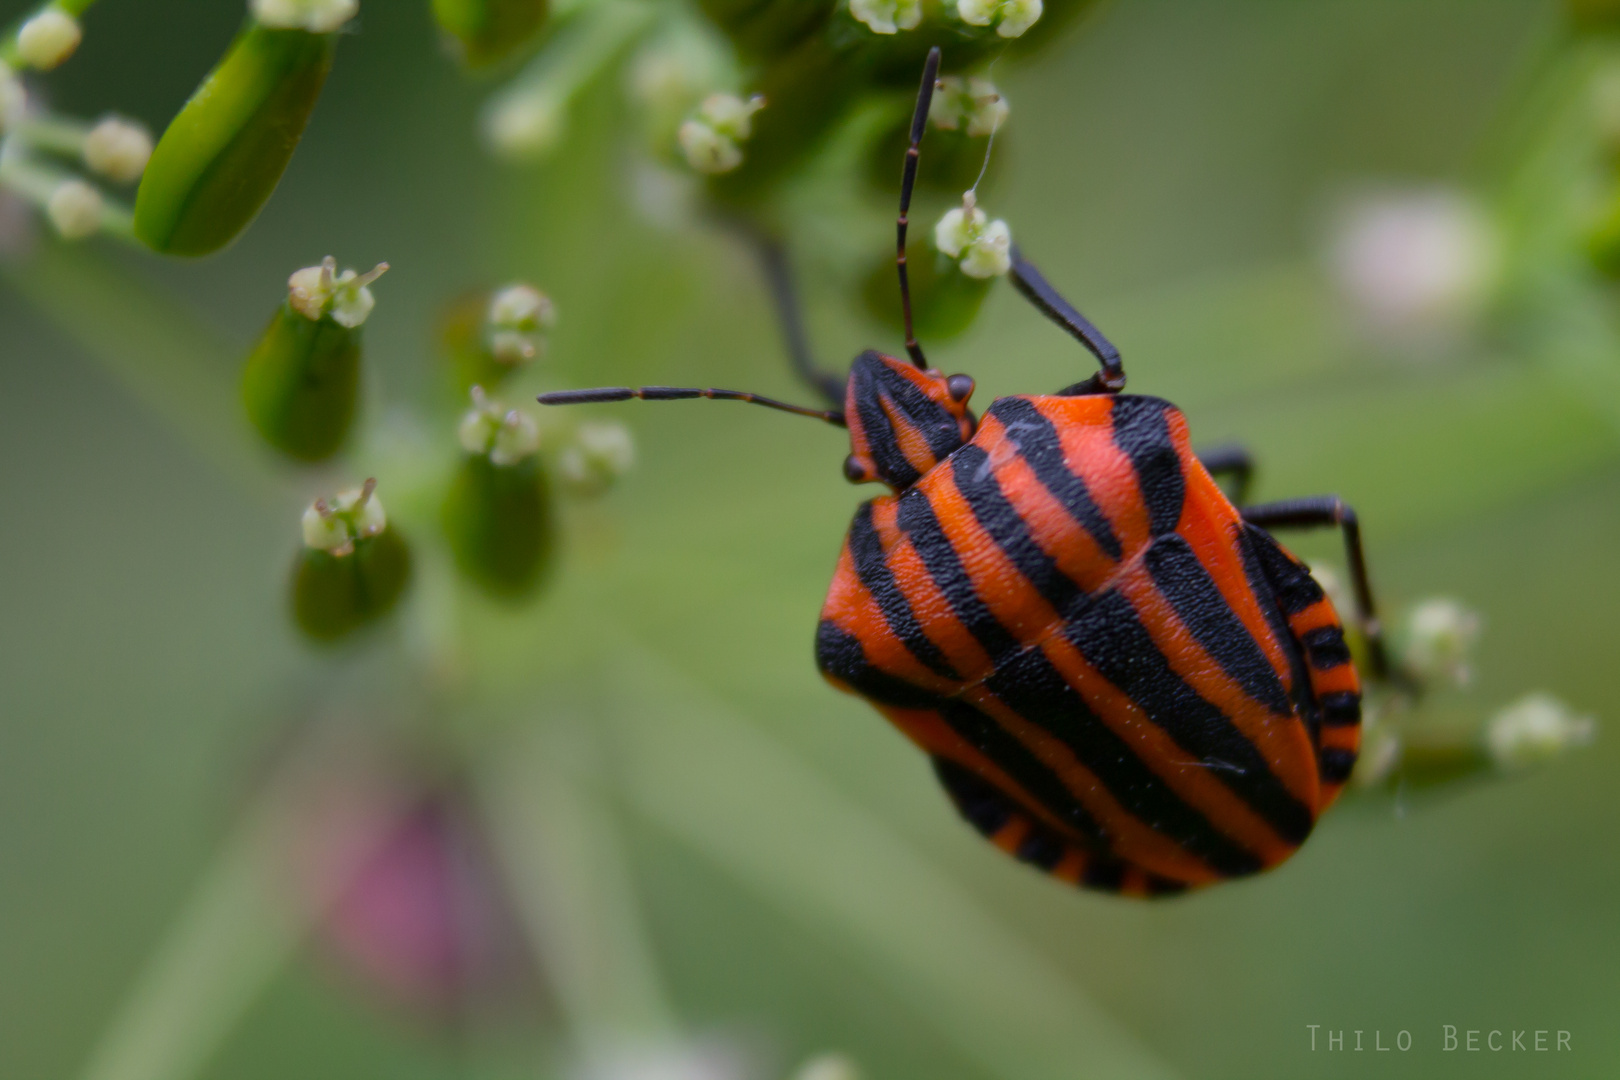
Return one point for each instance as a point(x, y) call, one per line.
point(57, 134)
point(561, 851)
point(161, 354)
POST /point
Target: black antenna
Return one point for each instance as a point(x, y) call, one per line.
point(680, 393)
point(919, 121)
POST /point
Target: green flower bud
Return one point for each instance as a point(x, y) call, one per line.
point(117, 149)
point(712, 140)
point(75, 209)
point(485, 32)
point(982, 248)
point(498, 515)
point(302, 380)
point(48, 39)
point(353, 568)
point(487, 336)
point(887, 16)
point(944, 300)
point(224, 153)
point(1010, 17)
point(594, 456)
point(1534, 730)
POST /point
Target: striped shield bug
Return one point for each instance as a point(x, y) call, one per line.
point(1120, 676)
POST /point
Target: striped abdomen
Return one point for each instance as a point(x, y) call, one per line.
point(1105, 662)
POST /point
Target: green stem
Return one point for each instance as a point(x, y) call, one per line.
point(57, 134)
point(37, 182)
point(168, 362)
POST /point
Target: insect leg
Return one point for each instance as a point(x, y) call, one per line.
point(1038, 291)
point(1234, 461)
point(773, 260)
point(1320, 511)
point(908, 178)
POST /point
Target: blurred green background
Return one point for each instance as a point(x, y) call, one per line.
point(804, 885)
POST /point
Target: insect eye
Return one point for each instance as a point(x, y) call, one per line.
point(960, 387)
point(854, 471)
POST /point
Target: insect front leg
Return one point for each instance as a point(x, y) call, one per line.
point(1320, 511)
point(778, 270)
point(1234, 461)
point(1038, 291)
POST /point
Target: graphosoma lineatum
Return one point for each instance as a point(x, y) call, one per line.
point(1120, 677)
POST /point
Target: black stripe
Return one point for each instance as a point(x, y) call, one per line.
point(1184, 582)
point(932, 420)
point(892, 466)
point(1037, 440)
point(917, 518)
point(840, 655)
point(976, 480)
point(1041, 848)
point(1291, 580)
point(1336, 764)
point(1033, 688)
point(1105, 874)
point(872, 567)
point(1015, 759)
point(1255, 545)
point(1110, 636)
point(980, 802)
point(1341, 709)
point(1325, 646)
point(1142, 432)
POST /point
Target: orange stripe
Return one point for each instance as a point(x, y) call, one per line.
point(930, 606)
point(1049, 522)
point(1191, 780)
point(1085, 428)
point(1129, 836)
point(1281, 739)
point(1004, 590)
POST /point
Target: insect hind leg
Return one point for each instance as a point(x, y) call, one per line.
point(1232, 460)
point(1007, 825)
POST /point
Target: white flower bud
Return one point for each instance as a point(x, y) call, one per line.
point(828, 1067)
point(1012, 17)
point(315, 291)
point(521, 307)
point(1414, 267)
point(710, 140)
point(1533, 730)
point(74, 209)
point(887, 16)
point(316, 16)
point(13, 98)
point(974, 104)
point(1440, 636)
point(1380, 754)
point(522, 126)
point(982, 247)
point(508, 436)
point(118, 149)
point(48, 39)
point(333, 525)
point(600, 452)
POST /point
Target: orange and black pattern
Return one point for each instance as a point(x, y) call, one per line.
point(1118, 680)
